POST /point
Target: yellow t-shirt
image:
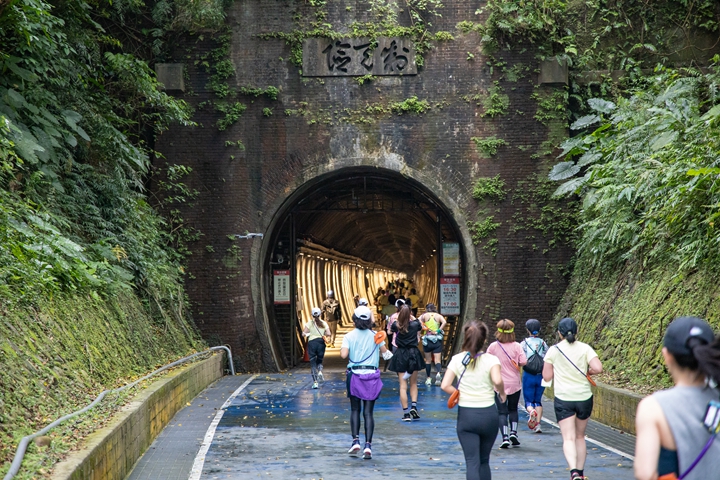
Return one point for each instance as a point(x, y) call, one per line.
point(315, 331)
point(476, 387)
point(415, 300)
point(569, 384)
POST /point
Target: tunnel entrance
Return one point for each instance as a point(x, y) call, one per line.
point(353, 231)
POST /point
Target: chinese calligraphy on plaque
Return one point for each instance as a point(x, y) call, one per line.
point(324, 57)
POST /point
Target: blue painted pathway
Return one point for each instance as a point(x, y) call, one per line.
point(278, 427)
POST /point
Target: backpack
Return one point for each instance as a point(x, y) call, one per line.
point(535, 363)
point(331, 312)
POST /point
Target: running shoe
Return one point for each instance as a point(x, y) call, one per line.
point(315, 385)
point(428, 382)
point(538, 429)
point(407, 418)
point(438, 379)
point(367, 452)
point(355, 449)
point(320, 376)
point(514, 438)
point(414, 413)
point(533, 420)
point(505, 443)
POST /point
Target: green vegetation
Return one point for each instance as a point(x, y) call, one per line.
point(488, 146)
point(489, 188)
point(91, 276)
point(311, 21)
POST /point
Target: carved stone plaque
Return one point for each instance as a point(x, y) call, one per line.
point(355, 57)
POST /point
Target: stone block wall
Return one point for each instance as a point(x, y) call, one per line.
point(318, 126)
point(111, 452)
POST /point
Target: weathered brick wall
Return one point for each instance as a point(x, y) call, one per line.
point(244, 190)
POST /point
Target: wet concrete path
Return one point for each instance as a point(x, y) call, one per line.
point(280, 428)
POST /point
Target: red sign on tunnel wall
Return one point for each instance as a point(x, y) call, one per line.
point(449, 296)
point(281, 286)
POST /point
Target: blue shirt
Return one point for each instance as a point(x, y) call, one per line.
point(361, 344)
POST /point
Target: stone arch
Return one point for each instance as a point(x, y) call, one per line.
point(308, 178)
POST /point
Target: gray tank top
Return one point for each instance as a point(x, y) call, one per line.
point(684, 409)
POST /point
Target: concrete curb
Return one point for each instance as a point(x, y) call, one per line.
point(612, 406)
point(111, 452)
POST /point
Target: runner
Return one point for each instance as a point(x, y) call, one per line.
point(407, 360)
point(433, 324)
point(316, 330)
point(534, 349)
point(671, 436)
point(391, 320)
point(415, 300)
point(331, 311)
point(570, 364)
point(477, 415)
point(511, 357)
point(359, 347)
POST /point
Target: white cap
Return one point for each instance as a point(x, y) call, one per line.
point(363, 301)
point(316, 312)
point(363, 313)
point(399, 303)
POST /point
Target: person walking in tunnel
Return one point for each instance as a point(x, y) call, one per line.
point(433, 324)
point(415, 300)
point(511, 357)
point(534, 349)
point(677, 428)
point(570, 364)
point(360, 348)
point(332, 314)
point(316, 330)
point(477, 419)
point(407, 360)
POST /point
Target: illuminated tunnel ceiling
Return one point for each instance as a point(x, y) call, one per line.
point(378, 218)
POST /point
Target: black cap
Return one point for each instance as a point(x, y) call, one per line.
point(683, 329)
point(567, 325)
point(533, 326)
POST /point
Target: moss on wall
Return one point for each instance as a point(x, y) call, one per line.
point(60, 354)
point(624, 314)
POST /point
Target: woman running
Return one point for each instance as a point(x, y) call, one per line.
point(671, 434)
point(511, 357)
point(534, 349)
point(363, 353)
point(477, 417)
point(570, 363)
point(433, 324)
point(316, 330)
point(407, 360)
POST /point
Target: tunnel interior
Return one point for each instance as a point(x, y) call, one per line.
point(353, 232)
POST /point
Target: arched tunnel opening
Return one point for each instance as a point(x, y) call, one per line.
point(354, 231)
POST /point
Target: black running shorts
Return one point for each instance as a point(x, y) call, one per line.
point(566, 409)
point(433, 347)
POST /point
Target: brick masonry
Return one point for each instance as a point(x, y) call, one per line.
point(612, 406)
point(111, 452)
point(247, 190)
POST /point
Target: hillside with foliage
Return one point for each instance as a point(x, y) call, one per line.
point(91, 276)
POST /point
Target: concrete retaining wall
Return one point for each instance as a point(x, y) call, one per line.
point(111, 452)
point(612, 406)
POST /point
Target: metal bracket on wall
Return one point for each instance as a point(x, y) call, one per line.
point(249, 235)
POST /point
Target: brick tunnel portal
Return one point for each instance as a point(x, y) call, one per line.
point(353, 231)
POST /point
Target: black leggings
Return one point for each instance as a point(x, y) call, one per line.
point(477, 430)
point(316, 352)
point(367, 407)
point(508, 408)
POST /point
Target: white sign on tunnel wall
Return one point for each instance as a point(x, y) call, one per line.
point(449, 296)
point(451, 259)
point(281, 286)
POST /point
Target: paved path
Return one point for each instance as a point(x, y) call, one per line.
point(278, 427)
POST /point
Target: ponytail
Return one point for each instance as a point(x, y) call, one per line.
point(318, 322)
point(705, 357)
point(570, 337)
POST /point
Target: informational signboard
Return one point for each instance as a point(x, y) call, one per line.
point(281, 287)
point(451, 259)
point(450, 296)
